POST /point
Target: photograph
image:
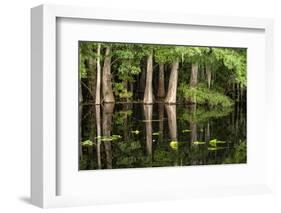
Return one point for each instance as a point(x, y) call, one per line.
point(155, 105)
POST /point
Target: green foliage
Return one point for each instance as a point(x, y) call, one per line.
point(204, 96)
point(234, 60)
point(120, 91)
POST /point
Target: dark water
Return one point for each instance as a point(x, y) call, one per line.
point(136, 136)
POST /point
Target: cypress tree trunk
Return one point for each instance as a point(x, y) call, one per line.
point(98, 85)
point(171, 97)
point(148, 95)
point(193, 80)
point(107, 92)
point(161, 85)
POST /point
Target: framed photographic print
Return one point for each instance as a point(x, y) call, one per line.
point(130, 106)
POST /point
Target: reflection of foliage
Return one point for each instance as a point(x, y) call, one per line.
point(203, 95)
point(239, 155)
point(202, 114)
point(129, 146)
point(119, 117)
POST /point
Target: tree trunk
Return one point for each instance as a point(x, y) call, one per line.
point(148, 126)
point(106, 130)
point(171, 97)
point(148, 93)
point(161, 84)
point(98, 85)
point(106, 79)
point(193, 76)
point(193, 80)
point(209, 75)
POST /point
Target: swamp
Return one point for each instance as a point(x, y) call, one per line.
point(144, 105)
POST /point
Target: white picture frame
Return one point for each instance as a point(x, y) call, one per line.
point(44, 150)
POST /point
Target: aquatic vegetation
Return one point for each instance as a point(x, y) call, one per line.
point(136, 132)
point(186, 130)
point(174, 145)
point(199, 142)
point(214, 142)
point(87, 143)
point(109, 138)
point(156, 133)
point(214, 148)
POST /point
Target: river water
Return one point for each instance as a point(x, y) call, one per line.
point(127, 135)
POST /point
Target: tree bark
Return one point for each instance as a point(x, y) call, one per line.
point(148, 93)
point(193, 76)
point(161, 84)
point(107, 92)
point(193, 80)
point(98, 85)
point(171, 97)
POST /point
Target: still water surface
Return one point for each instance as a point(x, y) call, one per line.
point(137, 136)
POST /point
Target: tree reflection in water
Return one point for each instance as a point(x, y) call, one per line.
point(156, 135)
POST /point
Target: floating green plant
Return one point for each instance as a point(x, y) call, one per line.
point(214, 142)
point(156, 133)
point(186, 130)
point(214, 148)
point(174, 145)
point(87, 143)
point(199, 142)
point(136, 132)
point(109, 138)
